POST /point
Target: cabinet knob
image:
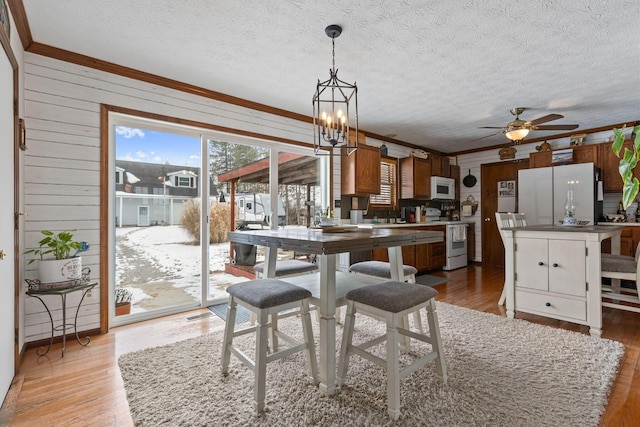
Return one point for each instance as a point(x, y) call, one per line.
point(555, 264)
point(540, 263)
point(548, 304)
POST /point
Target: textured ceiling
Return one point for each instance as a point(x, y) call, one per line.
point(430, 72)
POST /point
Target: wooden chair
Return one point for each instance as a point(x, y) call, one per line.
point(617, 268)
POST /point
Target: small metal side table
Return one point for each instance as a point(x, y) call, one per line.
point(62, 292)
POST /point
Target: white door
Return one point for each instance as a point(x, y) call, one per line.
point(143, 216)
point(7, 257)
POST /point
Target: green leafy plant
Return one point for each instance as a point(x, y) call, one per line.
point(628, 161)
point(60, 245)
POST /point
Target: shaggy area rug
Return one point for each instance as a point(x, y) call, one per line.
point(501, 372)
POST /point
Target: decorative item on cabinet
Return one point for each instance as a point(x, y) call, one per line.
point(577, 139)
point(507, 153)
point(545, 146)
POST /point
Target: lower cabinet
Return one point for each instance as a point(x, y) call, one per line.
point(551, 278)
point(423, 257)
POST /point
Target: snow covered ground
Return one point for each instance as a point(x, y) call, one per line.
point(161, 266)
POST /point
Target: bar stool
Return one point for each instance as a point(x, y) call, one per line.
point(383, 270)
point(266, 297)
point(288, 267)
point(392, 301)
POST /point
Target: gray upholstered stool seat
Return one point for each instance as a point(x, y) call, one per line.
point(267, 293)
point(619, 263)
point(383, 270)
point(265, 298)
point(379, 269)
point(386, 296)
point(288, 267)
point(392, 301)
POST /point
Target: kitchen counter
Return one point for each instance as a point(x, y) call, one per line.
point(413, 224)
point(630, 224)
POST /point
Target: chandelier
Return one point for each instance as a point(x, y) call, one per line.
point(333, 133)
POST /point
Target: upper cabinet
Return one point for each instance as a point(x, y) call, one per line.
point(439, 165)
point(360, 172)
point(415, 178)
point(611, 180)
point(581, 154)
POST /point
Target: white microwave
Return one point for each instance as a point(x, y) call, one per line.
point(443, 188)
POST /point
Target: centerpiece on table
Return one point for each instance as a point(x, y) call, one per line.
point(63, 268)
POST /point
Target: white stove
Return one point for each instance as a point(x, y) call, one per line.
point(456, 239)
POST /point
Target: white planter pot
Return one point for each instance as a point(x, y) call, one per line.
point(57, 271)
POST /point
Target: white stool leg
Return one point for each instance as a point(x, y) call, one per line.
point(393, 370)
point(417, 319)
point(259, 389)
point(503, 297)
point(228, 335)
point(347, 336)
point(308, 338)
point(436, 340)
point(272, 332)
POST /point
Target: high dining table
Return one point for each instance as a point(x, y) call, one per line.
point(327, 244)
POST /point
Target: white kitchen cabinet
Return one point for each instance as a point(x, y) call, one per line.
point(550, 278)
point(554, 271)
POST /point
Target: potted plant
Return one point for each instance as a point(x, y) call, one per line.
point(628, 161)
point(65, 268)
point(123, 301)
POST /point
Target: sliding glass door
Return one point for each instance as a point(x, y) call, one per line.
point(171, 255)
point(158, 185)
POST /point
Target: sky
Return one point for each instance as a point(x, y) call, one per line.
point(142, 145)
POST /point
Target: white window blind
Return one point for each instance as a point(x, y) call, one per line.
point(388, 185)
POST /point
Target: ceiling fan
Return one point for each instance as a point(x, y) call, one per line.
point(518, 129)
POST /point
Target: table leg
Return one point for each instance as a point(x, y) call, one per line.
point(594, 292)
point(327, 348)
point(64, 322)
point(39, 351)
point(75, 321)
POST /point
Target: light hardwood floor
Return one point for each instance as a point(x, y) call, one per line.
point(85, 388)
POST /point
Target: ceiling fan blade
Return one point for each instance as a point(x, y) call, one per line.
point(490, 127)
point(555, 127)
point(486, 136)
point(545, 119)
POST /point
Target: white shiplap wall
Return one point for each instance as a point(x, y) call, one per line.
point(62, 162)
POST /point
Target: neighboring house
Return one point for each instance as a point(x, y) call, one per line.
point(153, 194)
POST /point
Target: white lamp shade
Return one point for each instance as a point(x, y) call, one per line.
point(517, 134)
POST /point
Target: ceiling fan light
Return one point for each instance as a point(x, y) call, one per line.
point(517, 134)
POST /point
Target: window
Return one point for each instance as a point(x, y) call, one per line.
point(387, 199)
point(119, 177)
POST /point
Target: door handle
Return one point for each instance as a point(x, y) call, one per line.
point(3, 254)
point(487, 220)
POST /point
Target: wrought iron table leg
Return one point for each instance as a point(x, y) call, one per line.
point(75, 321)
point(39, 351)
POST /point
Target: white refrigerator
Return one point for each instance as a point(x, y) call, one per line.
point(542, 193)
